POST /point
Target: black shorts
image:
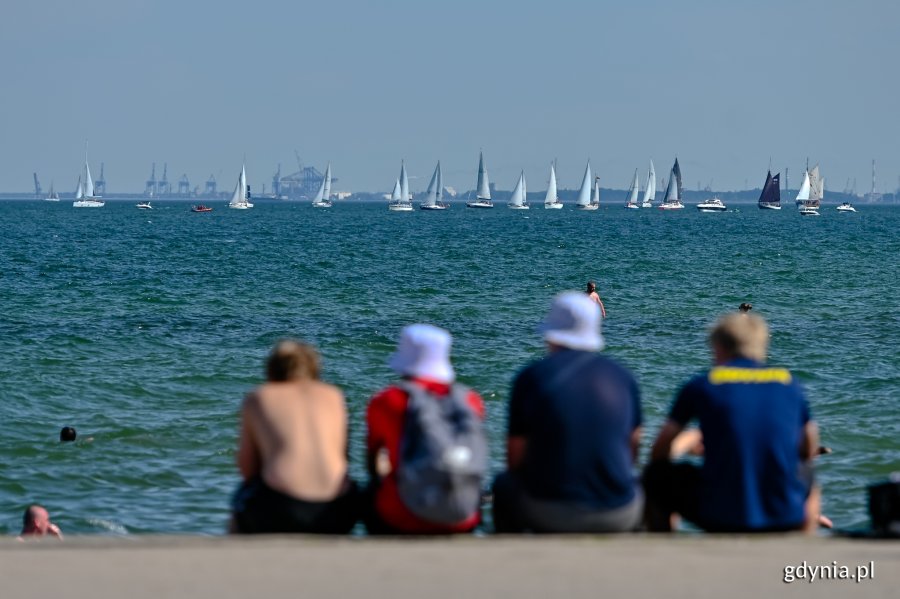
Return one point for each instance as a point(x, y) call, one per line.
point(261, 509)
point(675, 487)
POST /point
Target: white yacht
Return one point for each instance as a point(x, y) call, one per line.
point(712, 205)
point(400, 196)
point(435, 193)
point(846, 207)
point(483, 191)
point(583, 202)
point(240, 199)
point(808, 211)
point(673, 197)
point(323, 196)
point(84, 195)
point(551, 200)
point(517, 199)
point(633, 191)
point(650, 192)
point(52, 196)
point(144, 205)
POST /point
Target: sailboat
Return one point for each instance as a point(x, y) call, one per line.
point(812, 190)
point(673, 197)
point(483, 191)
point(323, 196)
point(435, 193)
point(400, 197)
point(583, 202)
point(240, 199)
point(551, 201)
point(517, 199)
point(595, 200)
point(84, 197)
point(650, 192)
point(52, 196)
point(633, 193)
point(806, 205)
point(770, 197)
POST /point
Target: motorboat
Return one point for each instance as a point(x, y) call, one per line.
point(201, 208)
point(808, 211)
point(846, 207)
point(712, 205)
point(144, 206)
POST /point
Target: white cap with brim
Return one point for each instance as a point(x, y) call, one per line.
point(424, 352)
point(573, 322)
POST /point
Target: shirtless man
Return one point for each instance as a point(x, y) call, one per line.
point(293, 451)
point(592, 293)
point(36, 523)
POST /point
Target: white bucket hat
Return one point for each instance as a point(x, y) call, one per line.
point(574, 322)
point(424, 351)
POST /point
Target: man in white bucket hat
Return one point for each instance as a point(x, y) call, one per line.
point(573, 436)
point(422, 360)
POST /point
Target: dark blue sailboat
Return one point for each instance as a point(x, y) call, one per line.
point(770, 198)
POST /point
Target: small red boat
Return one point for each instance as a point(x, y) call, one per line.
point(201, 208)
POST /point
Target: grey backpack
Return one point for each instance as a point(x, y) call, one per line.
point(443, 455)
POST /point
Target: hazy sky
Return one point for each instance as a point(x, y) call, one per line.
point(725, 86)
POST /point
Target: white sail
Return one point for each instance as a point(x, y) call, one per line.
point(327, 183)
point(650, 192)
point(524, 189)
point(822, 189)
point(79, 191)
point(404, 183)
point(632, 199)
point(596, 197)
point(550, 198)
point(431, 193)
point(439, 190)
point(88, 182)
point(803, 194)
point(815, 184)
point(395, 195)
point(321, 193)
point(518, 194)
point(239, 197)
point(484, 184)
point(584, 195)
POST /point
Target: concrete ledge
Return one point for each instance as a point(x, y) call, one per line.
point(724, 567)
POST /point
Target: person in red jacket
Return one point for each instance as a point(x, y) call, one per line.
point(422, 358)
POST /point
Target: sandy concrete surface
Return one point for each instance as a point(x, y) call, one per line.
point(565, 567)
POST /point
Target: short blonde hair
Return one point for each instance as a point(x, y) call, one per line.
point(291, 360)
point(741, 335)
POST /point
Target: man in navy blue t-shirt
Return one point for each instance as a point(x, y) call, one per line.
point(757, 442)
point(574, 430)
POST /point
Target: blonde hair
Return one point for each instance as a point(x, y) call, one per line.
point(291, 360)
point(741, 335)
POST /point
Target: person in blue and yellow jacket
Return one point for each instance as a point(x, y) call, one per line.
point(758, 440)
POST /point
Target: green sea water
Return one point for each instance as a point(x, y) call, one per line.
point(143, 329)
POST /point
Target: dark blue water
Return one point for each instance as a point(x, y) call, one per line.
point(144, 329)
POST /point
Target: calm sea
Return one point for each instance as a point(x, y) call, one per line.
point(144, 329)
